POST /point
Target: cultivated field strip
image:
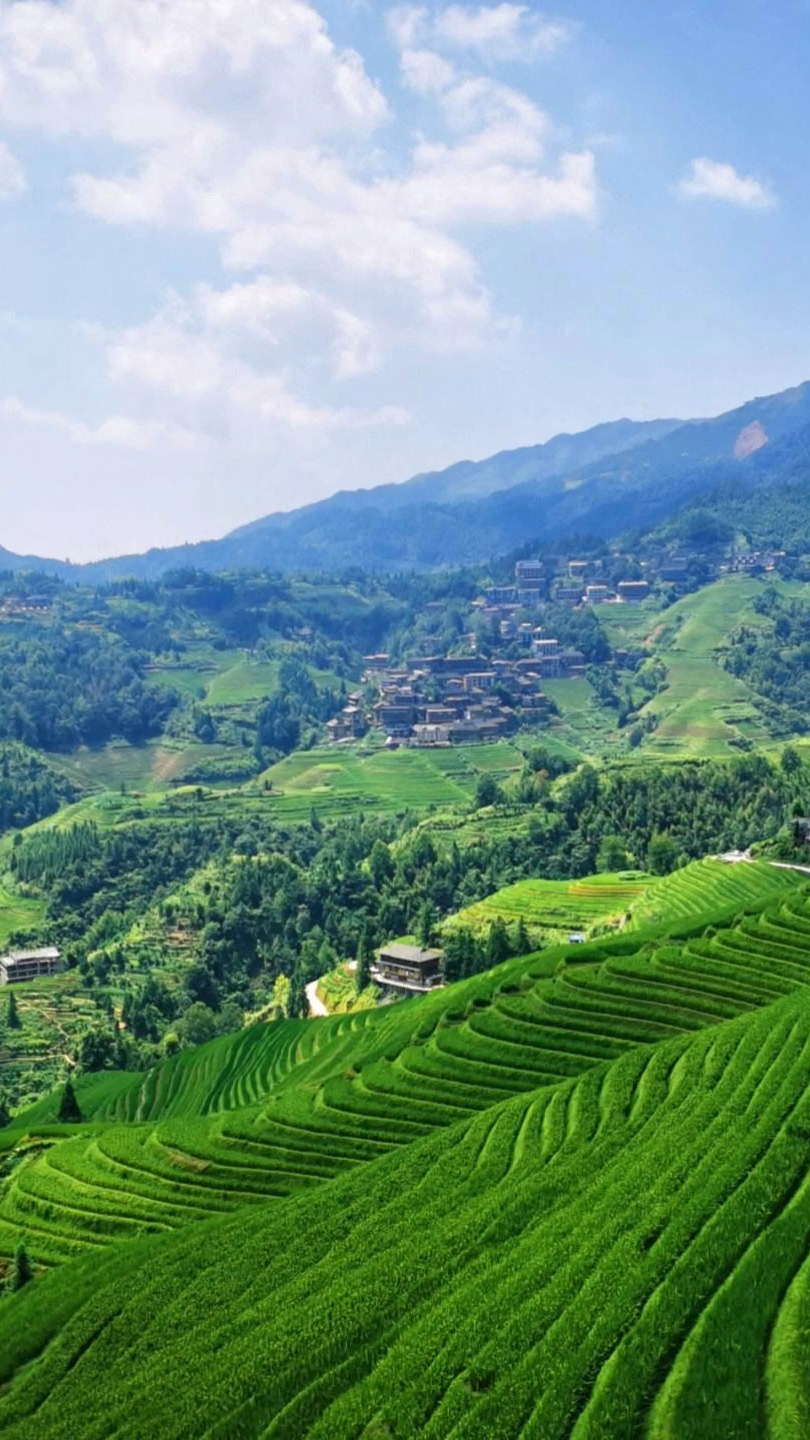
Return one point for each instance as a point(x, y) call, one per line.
point(280, 1108)
point(578, 1261)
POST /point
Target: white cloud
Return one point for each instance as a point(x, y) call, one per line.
point(426, 71)
point(202, 358)
point(12, 174)
point(117, 430)
point(712, 180)
point(135, 71)
point(244, 122)
point(495, 32)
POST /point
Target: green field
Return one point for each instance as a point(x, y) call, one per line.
point(584, 723)
point(155, 766)
point(16, 912)
point(703, 711)
point(551, 909)
point(335, 782)
point(567, 1198)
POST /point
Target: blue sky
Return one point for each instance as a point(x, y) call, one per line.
point(254, 251)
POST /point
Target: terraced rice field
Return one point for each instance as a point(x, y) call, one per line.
point(335, 782)
point(552, 909)
point(710, 887)
point(552, 1201)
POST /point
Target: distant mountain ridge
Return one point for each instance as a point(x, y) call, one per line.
point(617, 476)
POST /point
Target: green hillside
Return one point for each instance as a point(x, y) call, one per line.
point(701, 710)
point(552, 908)
point(536, 1203)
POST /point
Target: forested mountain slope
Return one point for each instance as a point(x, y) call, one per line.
point(600, 482)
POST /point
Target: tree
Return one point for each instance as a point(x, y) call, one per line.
point(365, 955)
point(69, 1112)
point(13, 1015)
point(523, 944)
point(21, 1271)
point(487, 792)
point(791, 760)
point(497, 942)
point(380, 864)
point(612, 854)
point(198, 1024)
point(662, 854)
point(425, 926)
point(5, 1113)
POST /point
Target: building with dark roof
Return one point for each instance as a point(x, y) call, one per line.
point(407, 969)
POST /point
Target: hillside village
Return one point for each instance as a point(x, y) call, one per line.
point(432, 699)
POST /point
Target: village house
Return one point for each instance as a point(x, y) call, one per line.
point(407, 969)
point(501, 594)
point(596, 594)
point(632, 592)
point(674, 568)
point(349, 724)
point(566, 593)
point(21, 965)
point(528, 570)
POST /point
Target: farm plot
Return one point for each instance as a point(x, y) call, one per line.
point(551, 909)
point(576, 1260)
point(335, 781)
point(708, 887)
point(281, 1107)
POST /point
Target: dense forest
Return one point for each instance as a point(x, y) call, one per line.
point(30, 788)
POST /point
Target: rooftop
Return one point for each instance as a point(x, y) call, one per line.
point(411, 954)
point(48, 952)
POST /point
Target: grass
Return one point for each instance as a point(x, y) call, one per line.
point(338, 991)
point(155, 766)
point(584, 724)
point(251, 680)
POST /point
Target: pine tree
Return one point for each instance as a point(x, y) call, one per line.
point(365, 956)
point(21, 1271)
point(13, 1016)
point(523, 944)
point(69, 1112)
point(497, 943)
point(426, 923)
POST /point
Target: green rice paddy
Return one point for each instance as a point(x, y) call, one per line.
point(567, 1198)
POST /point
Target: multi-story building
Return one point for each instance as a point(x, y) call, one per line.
point(29, 964)
point(632, 592)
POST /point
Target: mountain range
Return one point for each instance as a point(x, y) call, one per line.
point(604, 481)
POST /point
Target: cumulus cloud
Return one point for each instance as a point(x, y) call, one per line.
point(712, 180)
point(243, 121)
point(12, 174)
point(494, 32)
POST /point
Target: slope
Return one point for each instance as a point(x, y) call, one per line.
point(580, 1260)
point(281, 1108)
